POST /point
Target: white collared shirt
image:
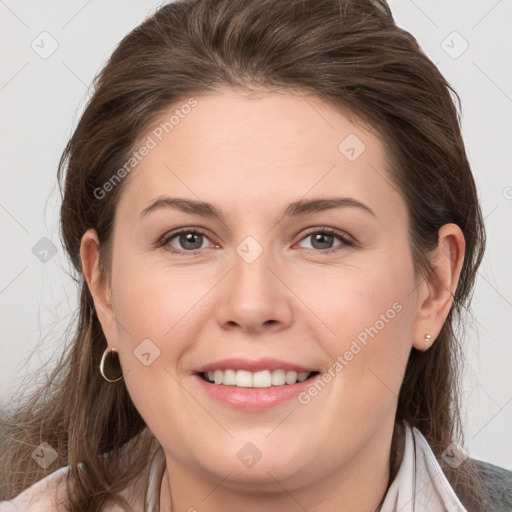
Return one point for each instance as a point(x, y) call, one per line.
point(420, 484)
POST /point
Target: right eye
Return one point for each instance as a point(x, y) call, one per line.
point(190, 240)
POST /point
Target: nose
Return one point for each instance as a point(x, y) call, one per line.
point(254, 297)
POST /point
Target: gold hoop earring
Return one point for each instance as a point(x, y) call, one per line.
point(110, 367)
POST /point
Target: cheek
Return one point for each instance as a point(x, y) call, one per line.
point(371, 313)
point(159, 314)
point(375, 326)
point(157, 324)
point(154, 301)
point(362, 303)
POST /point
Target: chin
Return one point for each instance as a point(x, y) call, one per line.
point(250, 467)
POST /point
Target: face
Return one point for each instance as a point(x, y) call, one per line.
point(293, 289)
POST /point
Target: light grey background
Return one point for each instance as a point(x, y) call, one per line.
point(41, 97)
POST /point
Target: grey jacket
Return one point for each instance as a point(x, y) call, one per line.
point(498, 483)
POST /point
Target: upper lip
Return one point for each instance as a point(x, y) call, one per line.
point(252, 365)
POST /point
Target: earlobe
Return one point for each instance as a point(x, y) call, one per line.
point(437, 291)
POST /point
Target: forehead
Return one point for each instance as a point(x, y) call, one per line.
point(244, 151)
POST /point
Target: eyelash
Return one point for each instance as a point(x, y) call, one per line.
point(345, 242)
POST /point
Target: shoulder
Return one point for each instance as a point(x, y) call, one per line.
point(498, 483)
point(50, 495)
point(46, 495)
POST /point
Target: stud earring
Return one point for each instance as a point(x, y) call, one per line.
point(428, 337)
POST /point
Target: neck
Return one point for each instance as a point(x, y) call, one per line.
point(357, 486)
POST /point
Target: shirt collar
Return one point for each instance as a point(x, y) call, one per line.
point(420, 484)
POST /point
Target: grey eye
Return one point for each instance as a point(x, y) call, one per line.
point(322, 240)
point(188, 241)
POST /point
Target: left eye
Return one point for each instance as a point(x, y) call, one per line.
point(323, 240)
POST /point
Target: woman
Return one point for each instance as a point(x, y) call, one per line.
point(275, 223)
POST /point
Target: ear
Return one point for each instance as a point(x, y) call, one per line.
point(99, 285)
point(435, 296)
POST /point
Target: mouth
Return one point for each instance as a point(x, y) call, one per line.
point(259, 379)
point(254, 385)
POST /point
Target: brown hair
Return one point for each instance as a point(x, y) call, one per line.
point(349, 53)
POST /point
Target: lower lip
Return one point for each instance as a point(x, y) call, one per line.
point(254, 399)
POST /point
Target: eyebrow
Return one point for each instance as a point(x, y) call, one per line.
point(295, 209)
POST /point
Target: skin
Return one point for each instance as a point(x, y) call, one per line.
point(251, 155)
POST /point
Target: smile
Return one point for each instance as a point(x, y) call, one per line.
point(254, 385)
point(260, 379)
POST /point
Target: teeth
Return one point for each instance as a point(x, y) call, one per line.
point(291, 377)
point(243, 379)
point(229, 378)
point(218, 376)
point(278, 377)
point(262, 379)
